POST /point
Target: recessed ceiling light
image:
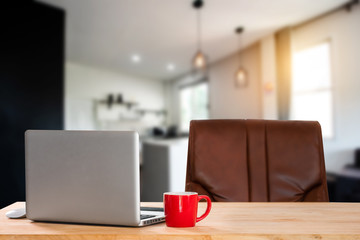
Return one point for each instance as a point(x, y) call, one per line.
point(135, 58)
point(170, 67)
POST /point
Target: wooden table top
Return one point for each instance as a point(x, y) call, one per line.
point(253, 221)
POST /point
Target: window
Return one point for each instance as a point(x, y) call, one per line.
point(193, 104)
point(312, 88)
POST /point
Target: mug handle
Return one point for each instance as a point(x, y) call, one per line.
point(208, 208)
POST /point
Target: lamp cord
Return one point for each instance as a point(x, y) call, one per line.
point(239, 55)
point(238, 31)
point(199, 29)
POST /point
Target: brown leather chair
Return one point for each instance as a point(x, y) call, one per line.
point(257, 161)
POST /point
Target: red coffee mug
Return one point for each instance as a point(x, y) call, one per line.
point(181, 208)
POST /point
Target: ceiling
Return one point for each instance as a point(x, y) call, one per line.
point(106, 33)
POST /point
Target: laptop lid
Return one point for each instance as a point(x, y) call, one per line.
point(83, 176)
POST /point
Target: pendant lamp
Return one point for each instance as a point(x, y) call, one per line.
point(241, 78)
point(199, 60)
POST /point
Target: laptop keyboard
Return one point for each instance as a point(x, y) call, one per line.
point(146, 216)
point(154, 209)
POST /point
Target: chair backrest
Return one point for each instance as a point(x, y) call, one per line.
point(257, 161)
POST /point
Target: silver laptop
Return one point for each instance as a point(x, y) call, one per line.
point(85, 177)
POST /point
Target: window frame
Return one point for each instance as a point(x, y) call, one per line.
point(192, 84)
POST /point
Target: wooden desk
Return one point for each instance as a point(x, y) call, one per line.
point(253, 221)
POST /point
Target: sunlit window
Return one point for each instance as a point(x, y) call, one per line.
point(312, 88)
point(193, 104)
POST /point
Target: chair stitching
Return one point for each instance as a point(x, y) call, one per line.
point(248, 162)
point(266, 162)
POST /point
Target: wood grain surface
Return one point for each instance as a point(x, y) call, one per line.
point(254, 221)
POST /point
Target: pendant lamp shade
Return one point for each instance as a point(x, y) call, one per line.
point(199, 60)
point(240, 77)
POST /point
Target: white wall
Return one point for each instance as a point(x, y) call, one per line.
point(84, 85)
point(343, 30)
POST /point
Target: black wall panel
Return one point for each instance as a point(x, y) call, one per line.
point(31, 84)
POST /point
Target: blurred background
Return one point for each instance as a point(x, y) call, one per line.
point(153, 65)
